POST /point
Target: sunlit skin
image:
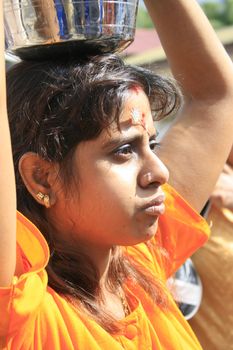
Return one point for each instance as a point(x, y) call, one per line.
point(118, 174)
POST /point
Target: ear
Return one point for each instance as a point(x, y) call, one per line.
point(39, 176)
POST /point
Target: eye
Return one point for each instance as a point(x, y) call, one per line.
point(124, 150)
point(154, 144)
point(124, 153)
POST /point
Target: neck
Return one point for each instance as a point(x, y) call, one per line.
point(101, 258)
point(99, 255)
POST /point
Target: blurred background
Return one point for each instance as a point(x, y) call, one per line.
point(146, 49)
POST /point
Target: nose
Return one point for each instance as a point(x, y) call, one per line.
point(153, 173)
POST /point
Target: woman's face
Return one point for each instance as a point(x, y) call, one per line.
point(118, 197)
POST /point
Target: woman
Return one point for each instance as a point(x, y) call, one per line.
point(89, 174)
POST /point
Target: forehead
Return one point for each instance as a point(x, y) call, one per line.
point(137, 99)
point(136, 102)
point(136, 110)
point(127, 129)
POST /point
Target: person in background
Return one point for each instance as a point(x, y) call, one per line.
point(222, 196)
point(90, 175)
point(213, 323)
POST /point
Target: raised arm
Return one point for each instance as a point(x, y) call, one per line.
point(7, 182)
point(197, 145)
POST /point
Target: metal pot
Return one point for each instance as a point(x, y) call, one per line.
point(40, 29)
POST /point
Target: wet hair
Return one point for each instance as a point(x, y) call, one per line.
point(52, 107)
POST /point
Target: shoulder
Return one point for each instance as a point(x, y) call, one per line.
point(31, 243)
point(19, 303)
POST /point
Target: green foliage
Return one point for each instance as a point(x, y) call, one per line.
point(213, 9)
point(143, 19)
point(228, 11)
point(217, 24)
point(219, 13)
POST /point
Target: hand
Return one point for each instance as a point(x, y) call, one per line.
point(222, 195)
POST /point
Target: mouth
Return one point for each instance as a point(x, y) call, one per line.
point(156, 206)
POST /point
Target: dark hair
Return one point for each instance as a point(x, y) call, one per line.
point(52, 107)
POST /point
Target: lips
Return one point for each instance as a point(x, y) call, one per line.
point(155, 206)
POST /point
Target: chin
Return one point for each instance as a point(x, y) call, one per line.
point(140, 233)
point(147, 233)
point(151, 231)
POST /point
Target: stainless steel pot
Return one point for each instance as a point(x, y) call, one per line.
point(38, 29)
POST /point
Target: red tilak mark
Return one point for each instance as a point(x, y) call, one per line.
point(136, 89)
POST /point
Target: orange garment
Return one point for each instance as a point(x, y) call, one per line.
point(34, 316)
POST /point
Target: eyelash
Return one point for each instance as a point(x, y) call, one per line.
point(127, 149)
point(155, 145)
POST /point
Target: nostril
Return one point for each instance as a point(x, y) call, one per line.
point(154, 184)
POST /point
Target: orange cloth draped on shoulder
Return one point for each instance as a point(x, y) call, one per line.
point(34, 316)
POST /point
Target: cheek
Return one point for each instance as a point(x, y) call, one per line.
point(119, 183)
point(110, 193)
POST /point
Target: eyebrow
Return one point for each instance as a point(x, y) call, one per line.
point(114, 142)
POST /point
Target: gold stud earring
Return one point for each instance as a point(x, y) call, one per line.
point(40, 196)
point(45, 198)
point(46, 201)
